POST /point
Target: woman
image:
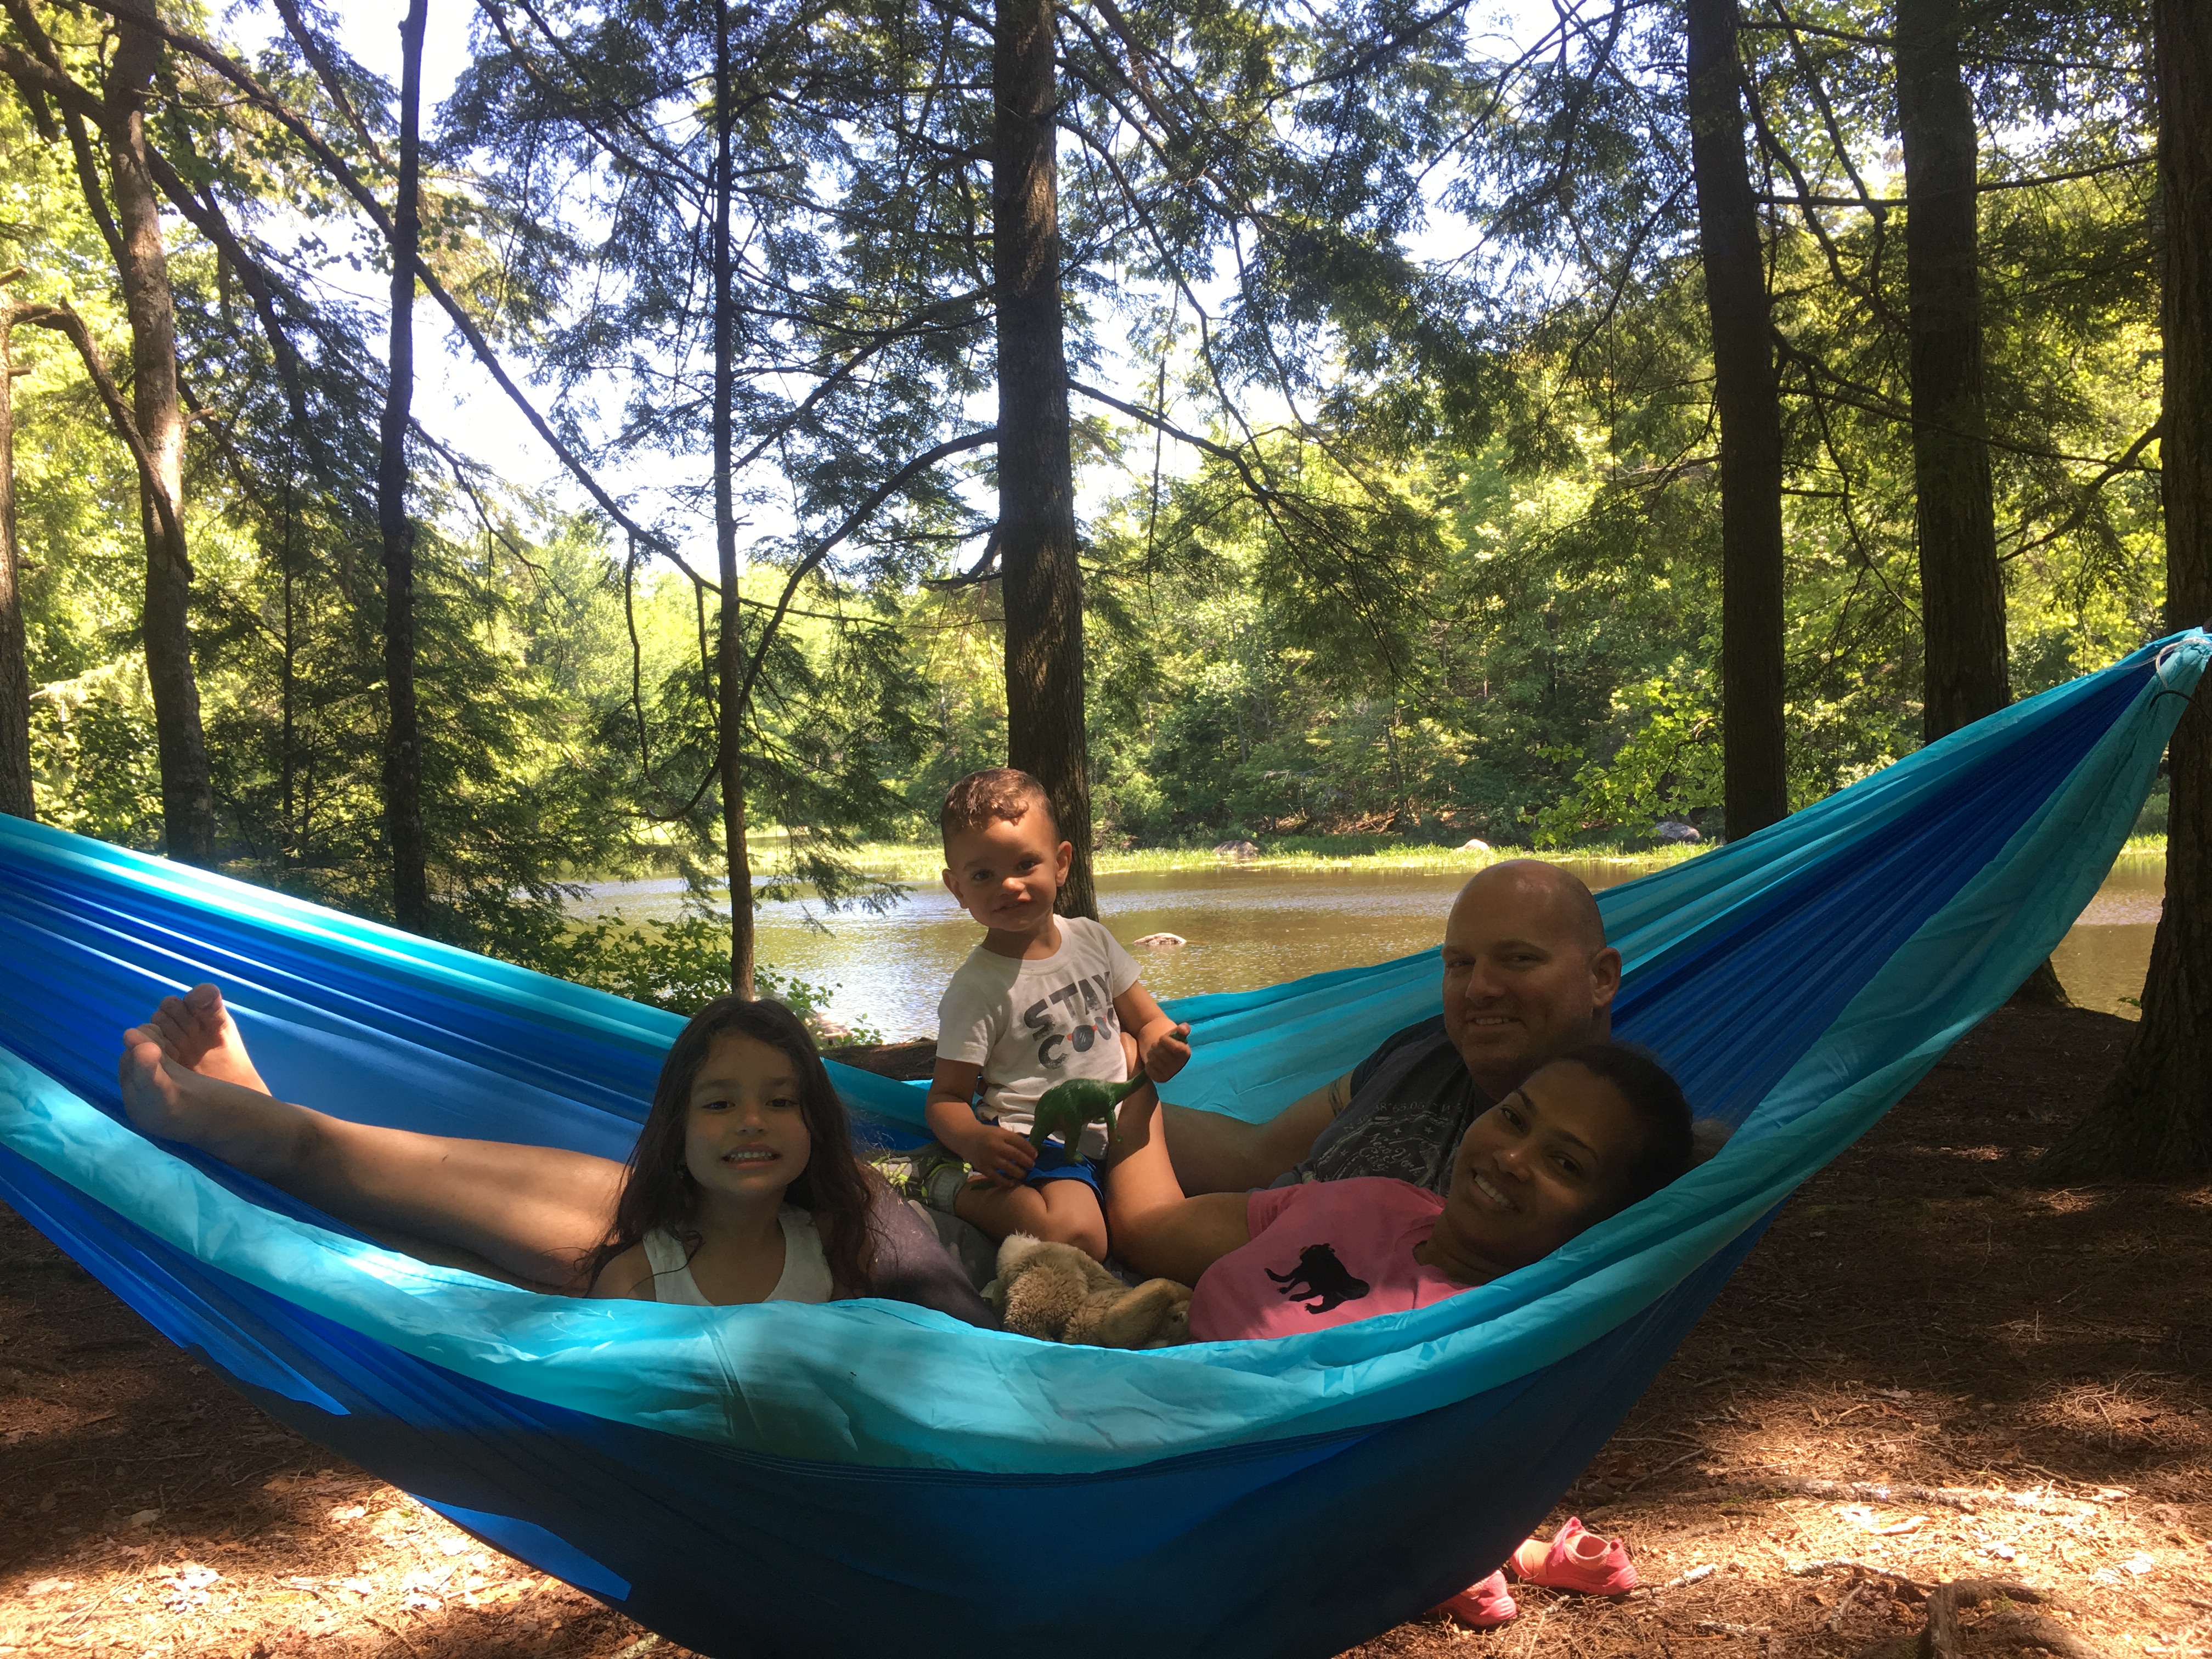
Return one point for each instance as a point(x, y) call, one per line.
point(1585, 1137)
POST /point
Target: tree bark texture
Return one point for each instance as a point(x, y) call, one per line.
point(157, 400)
point(1748, 397)
point(1961, 587)
point(730, 664)
point(15, 797)
point(403, 738)
point(1962, 600)
point(1042, 579)
point(2156, 1119)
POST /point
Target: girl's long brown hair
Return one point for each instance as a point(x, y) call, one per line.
point(836, 1188)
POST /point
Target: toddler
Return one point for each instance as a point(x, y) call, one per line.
point(1042, 999)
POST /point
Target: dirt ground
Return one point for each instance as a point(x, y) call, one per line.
point(1923, 1314)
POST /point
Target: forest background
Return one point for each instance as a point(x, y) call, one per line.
point(1395, 428)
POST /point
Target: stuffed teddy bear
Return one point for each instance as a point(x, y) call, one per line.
point(1058, 1294)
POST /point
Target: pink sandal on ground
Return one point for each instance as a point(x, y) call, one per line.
point(1484, 1604)
point(1576, 1559)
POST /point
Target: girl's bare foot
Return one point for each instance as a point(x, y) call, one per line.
point(156, 1088)
point(242, 1126)
point(195, 1030)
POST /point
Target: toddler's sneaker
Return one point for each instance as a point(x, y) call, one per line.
point(940, 1176)
point(1576, 1559)
point(1484, 1605)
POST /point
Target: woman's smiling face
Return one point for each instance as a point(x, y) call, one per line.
point(1536, 1169)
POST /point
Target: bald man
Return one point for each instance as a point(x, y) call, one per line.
point(1528, 976)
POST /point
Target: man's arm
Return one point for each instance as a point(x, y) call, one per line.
point(1154, 1228)
point(1214, 1153)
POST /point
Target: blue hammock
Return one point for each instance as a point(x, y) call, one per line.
point(815, 1480)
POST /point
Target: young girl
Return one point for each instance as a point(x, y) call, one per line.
point(743, 1169)
point(741, 1187)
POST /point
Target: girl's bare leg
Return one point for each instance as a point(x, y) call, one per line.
point(532, 1212)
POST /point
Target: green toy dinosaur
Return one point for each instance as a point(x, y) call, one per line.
point(1066, 1107)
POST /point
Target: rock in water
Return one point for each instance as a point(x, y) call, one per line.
point(1162, 941)
point(1236, 849)
point(1476, 845)
point(1680, 833)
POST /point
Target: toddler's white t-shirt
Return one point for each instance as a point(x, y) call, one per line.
point(1031, 1023)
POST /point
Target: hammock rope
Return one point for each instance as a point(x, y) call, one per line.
point(887, 1470)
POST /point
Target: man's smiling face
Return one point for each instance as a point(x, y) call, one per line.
point(1528, 976)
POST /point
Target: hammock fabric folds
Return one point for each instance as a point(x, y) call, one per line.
point(813, 1480)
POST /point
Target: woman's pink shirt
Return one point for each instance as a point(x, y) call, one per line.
point(1324, 1252)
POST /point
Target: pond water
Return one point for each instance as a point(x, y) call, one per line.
point(1253, 926)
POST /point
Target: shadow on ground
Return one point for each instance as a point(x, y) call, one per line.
point(1923, 1313)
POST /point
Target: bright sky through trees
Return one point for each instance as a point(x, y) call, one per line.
point(457, 399)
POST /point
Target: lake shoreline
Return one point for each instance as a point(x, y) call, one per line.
point(921, 861)
point(1199, 923)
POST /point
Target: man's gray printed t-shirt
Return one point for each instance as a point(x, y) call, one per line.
point(1032, 1022)
point(1412, 1103)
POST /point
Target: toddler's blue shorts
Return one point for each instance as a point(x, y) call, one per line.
point(1053, 1164)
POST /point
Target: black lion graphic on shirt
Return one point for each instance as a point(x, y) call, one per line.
point(1319, 1280)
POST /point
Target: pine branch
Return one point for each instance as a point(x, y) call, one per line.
point(326, 71)
point(2091, 490)
point(333, 163)
point(806, 565)
point(62, 318)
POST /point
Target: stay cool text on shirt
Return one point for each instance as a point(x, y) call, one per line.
point(1099, 1023)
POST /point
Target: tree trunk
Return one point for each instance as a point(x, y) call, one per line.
point(187, 794)
point(2156, 1119)
point(288, 691)
point(1961, 588)
point(403, 740)
point(1747, 394)
point(730, 666)
point(1962, 600)
point(16, 796)
point(1043, 581)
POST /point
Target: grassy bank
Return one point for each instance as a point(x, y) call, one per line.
point(920, 861)
point(917, 861)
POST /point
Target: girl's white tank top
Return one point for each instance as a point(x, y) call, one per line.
point(805, 1269)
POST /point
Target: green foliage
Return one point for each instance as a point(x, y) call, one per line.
point(97, 772)
point(680, 965)
point(1444, 564)
point(1668, 766)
